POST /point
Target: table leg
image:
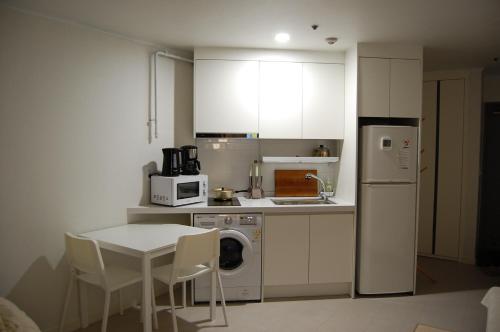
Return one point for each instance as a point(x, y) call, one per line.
point(146, 292)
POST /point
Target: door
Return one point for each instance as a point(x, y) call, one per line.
point(286, 250)
point(373, 87)
point(280, 100)
point(236, 256)
point(331, 248)
point(449, 183)
point(323, 101)
point(386, 252)
point(226, 96)
point(405, 88)
point(388, 154)
point(427, 168)
point(488, 239)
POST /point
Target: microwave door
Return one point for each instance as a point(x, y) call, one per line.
point(186, 190)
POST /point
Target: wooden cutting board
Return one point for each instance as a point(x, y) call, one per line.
point(292, 183)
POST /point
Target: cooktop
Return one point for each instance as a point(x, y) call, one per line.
point(230, 202)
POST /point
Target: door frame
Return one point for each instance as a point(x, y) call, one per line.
point(482, 151)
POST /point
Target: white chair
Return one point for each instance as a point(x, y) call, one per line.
point(87, 267)
point(195, 255)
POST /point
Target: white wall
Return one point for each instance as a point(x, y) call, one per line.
point(74, 141)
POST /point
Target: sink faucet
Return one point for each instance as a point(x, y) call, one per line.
point(323, 188)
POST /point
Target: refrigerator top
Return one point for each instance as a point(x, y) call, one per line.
point(389, 154)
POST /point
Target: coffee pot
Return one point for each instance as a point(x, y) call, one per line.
point(190, 163)
point(172, 162)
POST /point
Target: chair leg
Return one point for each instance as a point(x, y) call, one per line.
point(153, 303)
point(184, 294)
point(213, 293)
point(172, 306)
point(66, 302)
point(222, 298)
point(120, 300)
point(107, 298)
point(84, 313)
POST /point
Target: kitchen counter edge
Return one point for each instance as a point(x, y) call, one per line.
point(187, 209)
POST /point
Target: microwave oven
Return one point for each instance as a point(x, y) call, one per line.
point(179, 190)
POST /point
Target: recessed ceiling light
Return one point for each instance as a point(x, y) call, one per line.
point(282, 37)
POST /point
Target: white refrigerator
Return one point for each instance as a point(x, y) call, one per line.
point(387, 213)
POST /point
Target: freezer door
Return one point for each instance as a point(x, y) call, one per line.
point(386, 240)
point(388, 154)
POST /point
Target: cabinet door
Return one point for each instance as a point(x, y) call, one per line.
point(280, 100)
point(406, 89)
point(373, 94)
point(427, 168)
point(449, 178)
point(323, 101)
point(286, 250)
point(226, 96)
point(331, 248)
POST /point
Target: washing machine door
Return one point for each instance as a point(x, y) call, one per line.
point(235, 252)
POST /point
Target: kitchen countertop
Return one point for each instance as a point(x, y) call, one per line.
point(263, 205)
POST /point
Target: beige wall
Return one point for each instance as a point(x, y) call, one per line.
point(73, 111)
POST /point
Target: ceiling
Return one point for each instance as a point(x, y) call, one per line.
point(454, 33)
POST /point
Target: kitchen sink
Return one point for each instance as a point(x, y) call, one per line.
point(302, 201)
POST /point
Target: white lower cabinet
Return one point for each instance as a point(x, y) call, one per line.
point(331, 248)
point(308, 249)
point(286, 250)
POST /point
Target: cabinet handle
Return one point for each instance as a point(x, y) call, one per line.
point(422, 151)
point(423, 169)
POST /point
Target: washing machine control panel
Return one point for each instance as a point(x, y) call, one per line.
point(248, 220)
point(227, 220)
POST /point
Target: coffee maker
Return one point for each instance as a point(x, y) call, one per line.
point(190, 162)
point(172, 162)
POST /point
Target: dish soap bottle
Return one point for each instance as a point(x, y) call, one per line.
point(329, 188)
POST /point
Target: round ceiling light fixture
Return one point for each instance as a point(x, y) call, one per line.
point(331, 40)
point(282, 37)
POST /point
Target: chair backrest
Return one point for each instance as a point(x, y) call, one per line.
point(84, 254)
point(196, 249)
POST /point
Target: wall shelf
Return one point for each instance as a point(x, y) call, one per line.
point(303, 160)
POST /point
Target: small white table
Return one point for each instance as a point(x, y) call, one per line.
point(145, 241)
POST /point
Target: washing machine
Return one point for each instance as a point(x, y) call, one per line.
point(240, 258)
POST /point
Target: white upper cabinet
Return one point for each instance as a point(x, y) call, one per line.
point(323, 101)
point(390, 88)
point(279, 95)
point(226, 96)
point(280, 100)
point(374, 85)
point(406, 89)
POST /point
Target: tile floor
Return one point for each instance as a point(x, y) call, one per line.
point(452, 303)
